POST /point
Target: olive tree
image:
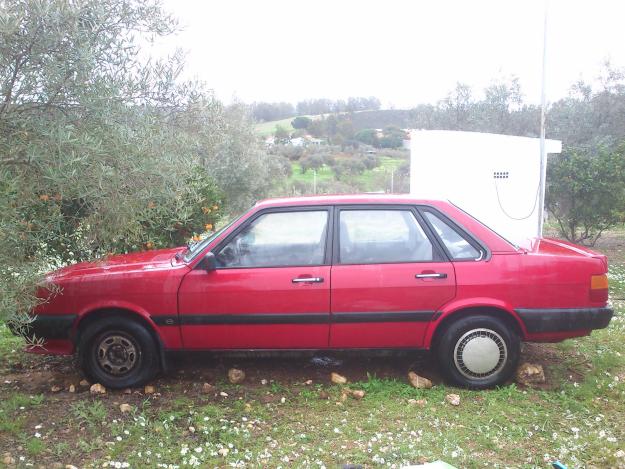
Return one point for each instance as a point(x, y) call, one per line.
point(101, 149)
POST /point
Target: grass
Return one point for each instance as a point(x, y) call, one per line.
point(579, 419)
point(375, 179)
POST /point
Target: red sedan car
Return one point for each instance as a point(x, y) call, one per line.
point(329, 273)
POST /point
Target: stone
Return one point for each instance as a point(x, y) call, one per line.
point(358, 394)
point(263, 381)
point(207, 388)
point(308, 382)
point(97, 388)
point(453, 399)
point(125, 408)
point(84, 383)
point(71, 388)
point(149, 389)
point(55, 388)
point(236, 376)
point(223, 394)
point(223, 452)
point(419, 382)
point(419, 402)
point(337, 378)
point(8, 459)
point(529, 373)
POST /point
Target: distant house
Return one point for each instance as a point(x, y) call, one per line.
point(306, 140)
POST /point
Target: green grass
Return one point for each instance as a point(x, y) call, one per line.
point(579, 419)
point(375, 179)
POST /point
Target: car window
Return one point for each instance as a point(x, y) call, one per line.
point(278, 239)
point(381, 236)
point(456, 244)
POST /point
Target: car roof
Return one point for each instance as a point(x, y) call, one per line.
point(345, 199)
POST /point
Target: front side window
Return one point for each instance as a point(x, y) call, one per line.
point(278, 240)
point(458, 246)
point(382, 236)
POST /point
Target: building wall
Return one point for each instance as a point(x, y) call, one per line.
point(493, 177)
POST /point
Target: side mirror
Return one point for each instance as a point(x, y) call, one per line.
point(209, 263)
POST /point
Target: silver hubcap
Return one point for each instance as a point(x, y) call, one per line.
point(117, 354)
point(480, 353)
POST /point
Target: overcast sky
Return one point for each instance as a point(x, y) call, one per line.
point(403, 52)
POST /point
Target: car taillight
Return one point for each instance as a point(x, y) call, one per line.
point(599, 288)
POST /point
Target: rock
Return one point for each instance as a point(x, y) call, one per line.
point(223, 394)
point(192, 429)
point(236, 376)
point(97, 388)
point(71, 388)
point(207, 388)
point(223, 452)
point(419, 382)
point(55, 388)
point(263, 381)
point(419, 402)
point(84, 383)
point(70, 466)
point(8, 459)
point(125, 408)
point(358, 394)
point(324, 395)
point(529, 373)
point(149, 389)
point(308, 382)
point(453, 399)
point(337, 378)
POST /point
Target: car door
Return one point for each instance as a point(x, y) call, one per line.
point(388, 278)
point(270, 289)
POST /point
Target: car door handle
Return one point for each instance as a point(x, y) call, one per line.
point(432, 275)
point(307, 280)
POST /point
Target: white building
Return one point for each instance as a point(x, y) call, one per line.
point(495, 178)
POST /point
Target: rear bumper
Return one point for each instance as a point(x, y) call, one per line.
point(564, 319)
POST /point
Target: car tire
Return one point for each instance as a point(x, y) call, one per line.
point(478, 351)
point(118, 353)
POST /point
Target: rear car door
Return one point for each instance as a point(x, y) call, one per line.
point(271, 287)
point(388, 277)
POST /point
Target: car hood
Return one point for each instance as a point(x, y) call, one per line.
point(136, 261)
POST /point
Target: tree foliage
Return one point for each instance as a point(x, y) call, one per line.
point(586, 192)
point(102, 150)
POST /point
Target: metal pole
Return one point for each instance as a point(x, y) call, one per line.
point(392, 180)
point(314, 181)
point(543, 156)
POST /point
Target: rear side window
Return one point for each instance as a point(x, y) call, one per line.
point(458, 246)
point(381, 236)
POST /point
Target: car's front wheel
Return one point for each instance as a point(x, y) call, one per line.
point(118, 353)
point(478, 351)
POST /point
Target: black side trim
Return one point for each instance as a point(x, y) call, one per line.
point(50, 326)
point(395, 316)
point(298, 318)
point(565, 319)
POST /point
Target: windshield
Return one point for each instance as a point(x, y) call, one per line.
point(194, 249)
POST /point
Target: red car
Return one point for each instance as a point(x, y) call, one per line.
point(329, 273)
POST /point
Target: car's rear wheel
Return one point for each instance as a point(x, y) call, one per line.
point(478, 351)
point(118, 353)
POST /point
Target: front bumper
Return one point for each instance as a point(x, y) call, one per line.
point(49, 327)
point(564, 319)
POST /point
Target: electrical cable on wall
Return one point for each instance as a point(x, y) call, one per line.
point(510, 216)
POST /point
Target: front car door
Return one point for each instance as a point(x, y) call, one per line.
point(388, 277)
point(271, 287)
